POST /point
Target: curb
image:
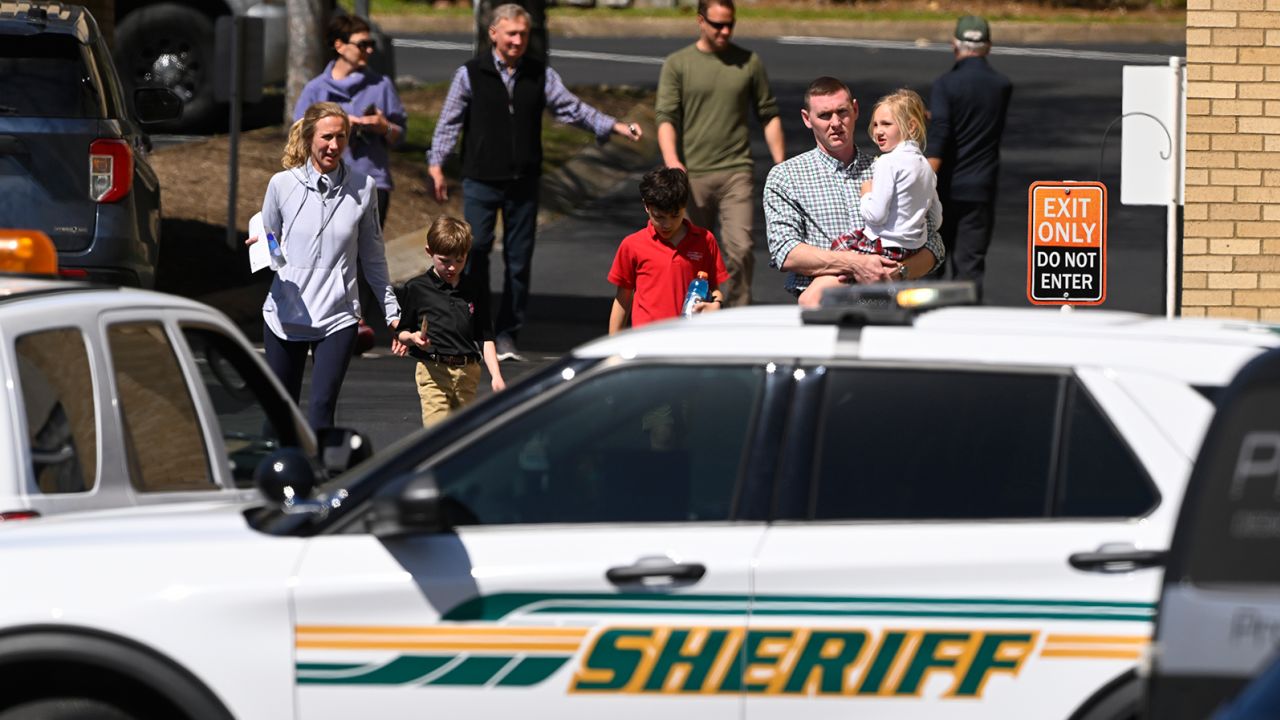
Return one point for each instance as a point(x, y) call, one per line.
point(1004, 31)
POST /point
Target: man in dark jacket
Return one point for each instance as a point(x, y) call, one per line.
point(495, 102)
point(967, 108)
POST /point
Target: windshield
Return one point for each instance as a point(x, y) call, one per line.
point(379, 473)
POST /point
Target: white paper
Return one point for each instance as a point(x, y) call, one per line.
point(259, 254)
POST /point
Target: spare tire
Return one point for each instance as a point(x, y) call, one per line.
point(169, 45)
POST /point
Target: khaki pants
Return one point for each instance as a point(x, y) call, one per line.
point(726, 197)
point(445, 388)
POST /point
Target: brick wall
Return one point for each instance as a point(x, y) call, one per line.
point(1231, 247)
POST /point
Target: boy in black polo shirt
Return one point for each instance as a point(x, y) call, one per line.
point(454, 330)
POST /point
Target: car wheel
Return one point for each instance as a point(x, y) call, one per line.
point(168, 45)
point(1121, 699)
point(65, 709)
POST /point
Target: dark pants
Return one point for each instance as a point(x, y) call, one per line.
point(517, 200)
point(371, 302)
point(331, 356)
point(966, 234)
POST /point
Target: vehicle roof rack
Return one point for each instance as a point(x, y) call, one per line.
point(887, 303)
point(36, 12)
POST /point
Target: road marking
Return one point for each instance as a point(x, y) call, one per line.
point(560, 54)
point(997, 50)
point(431, 44)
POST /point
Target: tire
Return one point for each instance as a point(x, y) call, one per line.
point(1121, 699)
point(169, 45)
point(65, 709)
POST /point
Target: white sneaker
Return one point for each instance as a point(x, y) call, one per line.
point(507, 350)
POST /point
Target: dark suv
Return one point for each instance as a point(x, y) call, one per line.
point(73, 163)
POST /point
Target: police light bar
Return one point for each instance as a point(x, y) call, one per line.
point(27, 252)
point(887, 303)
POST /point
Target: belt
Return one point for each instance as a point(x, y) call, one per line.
point(454, 360)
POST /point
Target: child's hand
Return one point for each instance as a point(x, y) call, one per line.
point(866, 186)
point(497, 384)
point(398, 348)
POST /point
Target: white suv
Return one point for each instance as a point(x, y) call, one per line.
point(117, 397)
point(752, 514)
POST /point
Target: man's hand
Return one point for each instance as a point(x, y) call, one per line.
point(630, 131)
point(440, 189)
point(863, 268)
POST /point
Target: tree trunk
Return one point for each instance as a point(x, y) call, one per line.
point(104, 11)
point(306, 49)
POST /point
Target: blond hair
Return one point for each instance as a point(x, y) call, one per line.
point(449, 236)
point(907, 109)
point(297, 149)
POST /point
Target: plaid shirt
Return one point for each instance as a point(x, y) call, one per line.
point(565, 107)
point(813, 199)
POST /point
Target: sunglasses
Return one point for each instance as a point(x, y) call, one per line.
point(366, 45)
point(717, 25)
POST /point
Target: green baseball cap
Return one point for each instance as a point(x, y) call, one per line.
point(972, 28)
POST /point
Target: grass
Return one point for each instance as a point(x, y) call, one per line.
point(1165, 11)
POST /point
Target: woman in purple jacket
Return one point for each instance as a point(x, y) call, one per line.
point(377, 116)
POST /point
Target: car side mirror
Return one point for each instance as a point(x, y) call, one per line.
point(287, 476)
point(153, 105)
point(419, 508)
point(342, 449)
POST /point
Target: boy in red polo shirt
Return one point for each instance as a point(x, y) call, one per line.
point(653, 267)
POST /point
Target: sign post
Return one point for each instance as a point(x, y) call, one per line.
point(1067, 243)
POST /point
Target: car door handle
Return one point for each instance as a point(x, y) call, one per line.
point(639, 572)
point(1117, 561)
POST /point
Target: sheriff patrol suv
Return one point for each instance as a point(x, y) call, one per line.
point(756, 514)
point(116, 397)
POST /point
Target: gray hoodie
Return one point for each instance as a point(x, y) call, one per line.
point(322, 233)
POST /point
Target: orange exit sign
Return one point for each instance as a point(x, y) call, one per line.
point(1067, 243)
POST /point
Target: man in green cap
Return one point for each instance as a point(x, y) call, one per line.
point(967, 107)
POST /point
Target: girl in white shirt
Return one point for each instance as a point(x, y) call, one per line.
point(901, 196)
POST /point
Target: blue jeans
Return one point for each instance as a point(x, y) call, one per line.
point(517, 200)
point(332, 355)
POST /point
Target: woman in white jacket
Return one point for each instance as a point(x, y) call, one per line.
point(325, 216)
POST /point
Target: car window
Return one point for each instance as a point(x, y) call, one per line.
point(58, 399)
point(931, 444)
point(163, 441)
point(1100, 476)
point(46, 76)
point(243, 401)
point(638, 444)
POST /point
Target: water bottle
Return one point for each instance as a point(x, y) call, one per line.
point(698, 291)
point(273, 249)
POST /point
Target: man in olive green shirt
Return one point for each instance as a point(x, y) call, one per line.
point(704, 94)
